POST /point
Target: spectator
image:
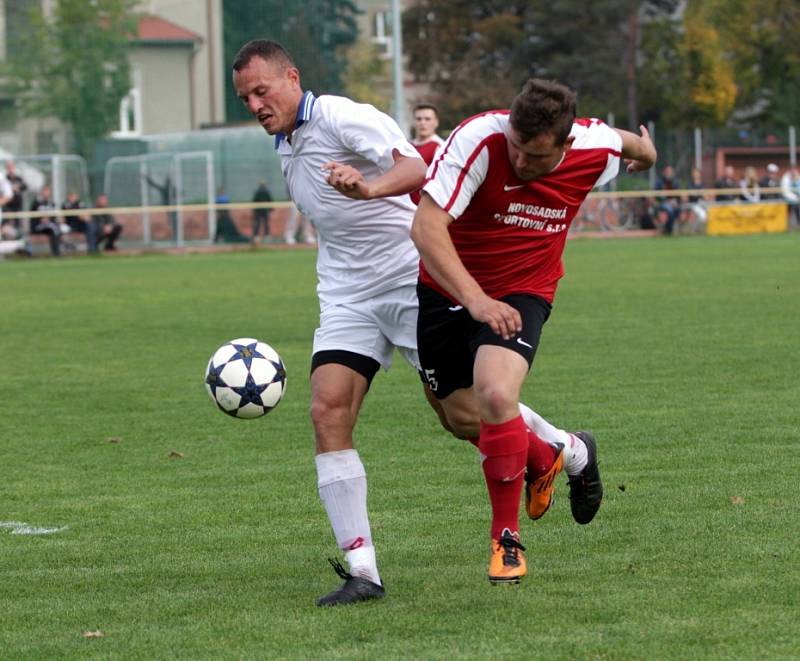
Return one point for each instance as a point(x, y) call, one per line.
point(79, 224)
point(261, 216)
point(48, 225)
point(227, 232)
point(298, 225)
point(751, 191)
point(6, 193)
point(11, 241)
point(18, 187)
point(727, 180)
point(695, 213)
point(771, 180)
point(669, 208)
point(9, 234)
point(643, 210)
point(108, 229)
point(790, 190)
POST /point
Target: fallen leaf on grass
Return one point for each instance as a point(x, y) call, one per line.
point(737, 500)
point(113, 439)
point(93, 634)
point(174, 454)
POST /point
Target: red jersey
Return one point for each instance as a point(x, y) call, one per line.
point(427, 150)
point(510, 233)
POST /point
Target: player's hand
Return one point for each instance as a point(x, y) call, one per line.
point(347, 180)
point(648, 153)
point(501, 317)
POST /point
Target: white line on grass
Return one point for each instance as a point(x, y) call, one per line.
point(19, 528)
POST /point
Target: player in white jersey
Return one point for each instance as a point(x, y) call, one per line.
point(366, 265)
point(349, 168)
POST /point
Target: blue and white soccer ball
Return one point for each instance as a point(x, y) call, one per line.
point(246, 378)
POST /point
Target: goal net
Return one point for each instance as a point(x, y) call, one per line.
point(168, 197)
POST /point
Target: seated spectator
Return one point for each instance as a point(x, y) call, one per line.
point(108, 229)
point(48, 225)
point(727, 180)
point(790, 191)
point(11, 241)
point(750, 190)
point(642, 209)
point(695, 213)
point(669, 208)
point(80, 224)
point(770, 180)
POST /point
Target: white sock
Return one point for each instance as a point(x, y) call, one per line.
point(542, 428)
point(362, 563)
point(578, 456)
point(575, 453)
point(342, 483)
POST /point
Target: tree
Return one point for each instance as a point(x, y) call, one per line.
point(315, 32)
point(467, 52)
point(687, 79)
point(724, 62)
point(760, 41)
point(477, 55)
point(73, 65)
point(365, 66)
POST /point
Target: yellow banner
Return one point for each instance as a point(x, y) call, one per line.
point(748, 218)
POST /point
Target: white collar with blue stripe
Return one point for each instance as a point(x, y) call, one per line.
point(303, 115)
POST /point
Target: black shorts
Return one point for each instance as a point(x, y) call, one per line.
point(448, 337)
point(364, 365)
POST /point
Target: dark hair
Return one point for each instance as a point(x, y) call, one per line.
point(543, 106)
point(267, 50)
point(427, 106)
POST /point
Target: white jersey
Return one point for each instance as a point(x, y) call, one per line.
point(364, 245)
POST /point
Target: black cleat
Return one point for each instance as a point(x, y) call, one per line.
point(586, 489)
point(352, 590)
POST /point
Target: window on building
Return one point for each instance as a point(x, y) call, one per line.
point(130, 109)
point(382, 32)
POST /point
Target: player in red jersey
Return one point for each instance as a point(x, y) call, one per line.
point(490, 229)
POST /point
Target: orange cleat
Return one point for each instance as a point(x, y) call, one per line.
point(539, 493)
point(507, 564)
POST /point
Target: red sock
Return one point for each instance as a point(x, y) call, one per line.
point(541, 455)
point(504, 447)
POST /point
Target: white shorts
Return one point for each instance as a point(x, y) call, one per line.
point(373, 327)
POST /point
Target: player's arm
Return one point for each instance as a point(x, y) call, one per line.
point(406, 175)
point(430, 235)
point(638, 151)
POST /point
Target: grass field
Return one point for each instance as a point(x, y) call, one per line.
point(188, 534)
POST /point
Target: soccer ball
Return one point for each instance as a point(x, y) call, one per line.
point(246, 378)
